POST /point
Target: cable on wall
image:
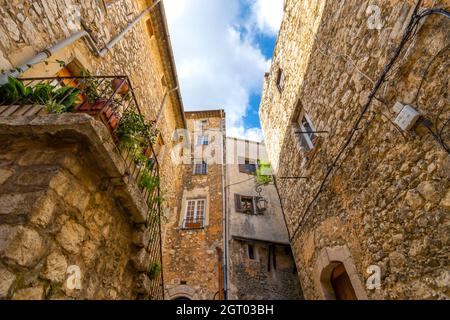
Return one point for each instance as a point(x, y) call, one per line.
point(412, 25)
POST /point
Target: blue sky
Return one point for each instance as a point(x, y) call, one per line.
point(222, 49)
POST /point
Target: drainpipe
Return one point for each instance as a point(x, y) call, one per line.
point(225, 216)
point(117, 38)
point(47, 53)
point(163, 102)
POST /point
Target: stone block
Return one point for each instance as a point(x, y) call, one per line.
point(44, 210)
point(143, 284)
point(6, 280)
point(141, 260)
point(445, 203)
point(19, 203)
point(71, 236)
point(141, 237)
point(21, 245)
point(5, 174)
point(33, 293)
point(414, 200)
point(428, 190)
point(55, 267)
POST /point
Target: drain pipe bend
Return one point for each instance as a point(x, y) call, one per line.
point(47, 53)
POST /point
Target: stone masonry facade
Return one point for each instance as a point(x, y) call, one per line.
point(57, 210)
point(386, 203)
point(64, 214)
point(144, 55)
point(193, 253)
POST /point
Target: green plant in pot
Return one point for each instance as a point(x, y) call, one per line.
point(55, 99)
point(264, 173)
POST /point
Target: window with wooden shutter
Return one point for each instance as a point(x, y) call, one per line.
point(246, 204)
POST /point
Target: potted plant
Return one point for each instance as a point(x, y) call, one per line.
point(55, 100)
point(120, 86)
point(95, 104)
point(194, 225)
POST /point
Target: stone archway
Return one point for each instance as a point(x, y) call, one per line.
point(181, 292)
point(330, 260)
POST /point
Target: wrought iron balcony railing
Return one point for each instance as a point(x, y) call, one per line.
point(111, 100)
point(194, 223)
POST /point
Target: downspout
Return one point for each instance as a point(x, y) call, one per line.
point(225, 216)
point(47, 53)
point(163, 102)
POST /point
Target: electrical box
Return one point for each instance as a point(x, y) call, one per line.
point(407, 117)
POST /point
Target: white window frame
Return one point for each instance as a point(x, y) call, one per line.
point(202, 123)
point(308, 138)
point(195, 215)
point(200, 163)
point(202, 140)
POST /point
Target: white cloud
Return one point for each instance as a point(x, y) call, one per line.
point(219, 66)
point(268, 15)
point(252, 134)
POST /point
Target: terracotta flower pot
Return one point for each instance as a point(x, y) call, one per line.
point(120, 86)
point(102, 110)
point(193, 225)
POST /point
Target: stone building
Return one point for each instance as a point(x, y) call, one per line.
point(260, 262)
point(75, 219)
point(193, 239)
point(364, 183)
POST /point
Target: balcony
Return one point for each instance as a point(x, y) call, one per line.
point(56, 101)
point(193, 223)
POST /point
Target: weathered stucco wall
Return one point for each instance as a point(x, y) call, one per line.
point(62, 214)
point(191, 259)
point(251, 278)
point(387, 201)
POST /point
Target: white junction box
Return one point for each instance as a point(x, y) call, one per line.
point(407, 117)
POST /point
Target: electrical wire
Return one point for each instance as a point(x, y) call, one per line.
point(410, 30)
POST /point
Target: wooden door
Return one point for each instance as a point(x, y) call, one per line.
point(342, 285)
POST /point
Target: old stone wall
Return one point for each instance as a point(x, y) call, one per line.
point(64, 233)
point(386, 203)
point(260, 278)
point(191, 259)
point(144, 55)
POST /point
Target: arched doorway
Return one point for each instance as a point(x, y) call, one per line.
point(341, 284)
point(181, 298)
point(336, 276)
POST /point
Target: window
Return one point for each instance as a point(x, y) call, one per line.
point(202, 124)
point(150, 28)
point(247, 166)
point(202, 140)
point(306, 132)
point(247, 204)
point(195, 214)
point(280, 80)
point(200, 167)
point(251, 252)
